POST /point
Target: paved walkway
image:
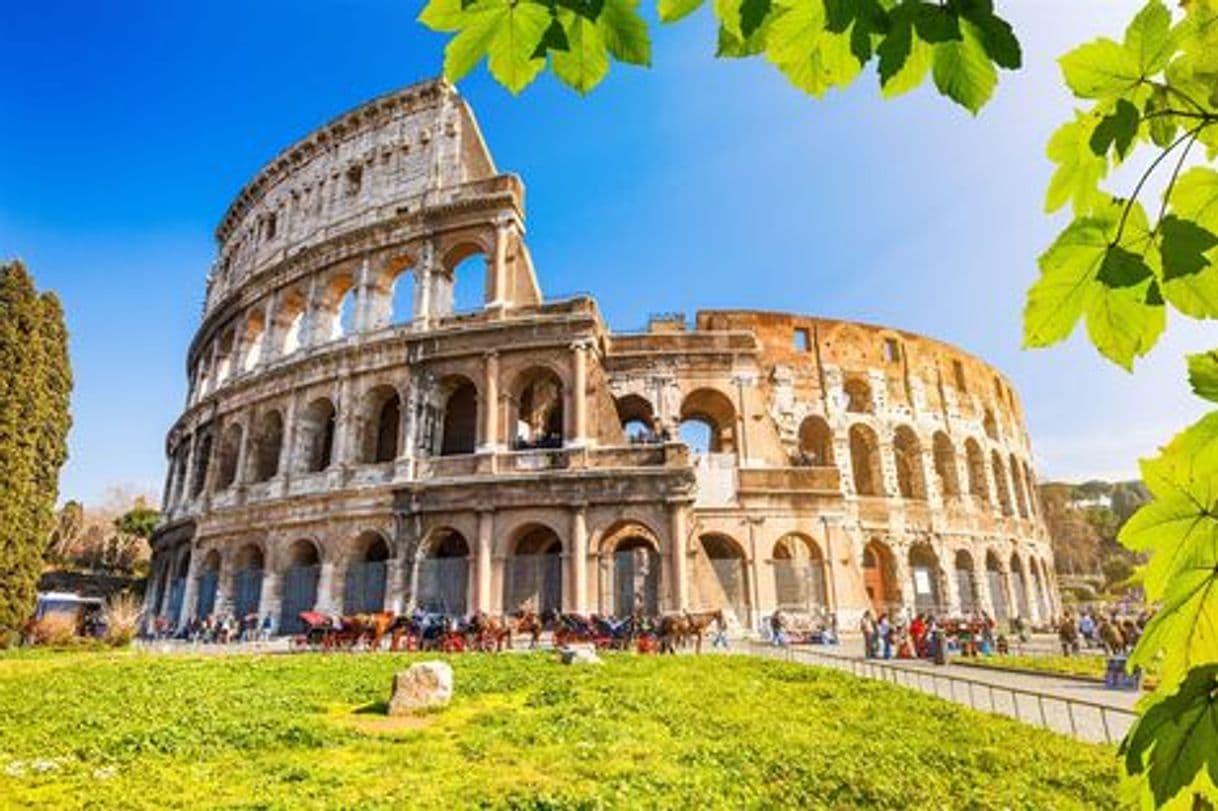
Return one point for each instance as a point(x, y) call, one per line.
point(1083, 709)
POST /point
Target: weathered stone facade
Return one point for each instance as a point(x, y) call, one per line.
point(340, 455)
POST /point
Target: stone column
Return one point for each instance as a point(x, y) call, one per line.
point(423, 284)
point(309, 328)
point(190, 589)
point(490, 404)
point(271, 599)
point(188, 478)
point(579, 559)
point(482, 562)
point(330, 588)
point(680, 575)
point(270, 333)
point(499, 278)
point(579, 395)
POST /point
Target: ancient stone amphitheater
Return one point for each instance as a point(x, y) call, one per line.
point(352, 441)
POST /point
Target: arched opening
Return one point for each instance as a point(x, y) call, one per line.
point(723, 583)
point(708, 422)
point(230, 456)
point(799, 575)
point(539, 410)
point(203, 453)
point(225, 352)
point(1021, 493)
point(382, 425)
point(815, 442)
point(247, 581)
point(880, 577)
point(334, 316)
point(444, 574)
point(401, 300)
point(907, 450)
point(966, 583)
point(990, 425)
point(207, 586)
point(344, 324)
point(1000, 483)
point(865, 461)
point(636, 577)
point(268, 446)
point(1019, 585)
point(945, 465)
point(468, 281)
point(460, 421)
point(289, 321)
point(924, 571)
point(177, 587)
point(367, 572)
point(299, 585)
point(637, 418)
point(997, 583)
point(255, 338)
point(858, 396)
point(534, 572)
point(318, 424)
point(976, 471)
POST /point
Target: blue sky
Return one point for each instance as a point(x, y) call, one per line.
point(698, 183)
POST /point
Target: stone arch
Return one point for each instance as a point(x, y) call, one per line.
point(858, 396)
point(253, 341)
point(463, 278)
point(865, 461)
point(637, 417)
point(316, 436)
point(926, 578)
point(714, 410)
point(248, 566)
point(1033, 494)
point(208, 585)
point(203, 454)
point(632, 552)
point(945, 465)
point(443, 573)
point(289, 323)
point(226, 351)
point(816, 442)
point(990, 425)
point(799, 574)
point(539, 414)
point(723, 579)
point(459, 423)
point(907, 452)
point(997, 582)
point(1019, 586)
point(382, 437)
point(966, 582)
point(367, 574)
point(977, 485)
point(1000, 483)
point(534, 577)
point(1021, 495)
point(229, 459)
point(880, 576)
point(301, 575)
point(391, 296)
point(268, 446)
point(334, 313)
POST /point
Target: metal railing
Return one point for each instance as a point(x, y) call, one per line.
point(1085, 720)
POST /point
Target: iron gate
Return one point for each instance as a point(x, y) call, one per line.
point(364, 589)
point(299, 594)
point(926, 589)
point(1021, 594)
point(729, 573)
point(636, 575)
point(534, 581)
point(798, 587)
point(444, 586)
point(177, 590)
point(998, 595)
point(205, 605)
point(966, 584)
point(248, 588)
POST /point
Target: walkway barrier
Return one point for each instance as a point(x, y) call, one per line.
point(1082, 719)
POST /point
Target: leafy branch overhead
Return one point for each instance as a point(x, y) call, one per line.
point(816, 44)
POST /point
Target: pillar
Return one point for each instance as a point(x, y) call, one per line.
point(579, 559)
point(190, 589)
point(498, 292)
point(482, 562)
point(490, 403)
point(271, 600)
point(579, 395)
point(422, 286)
point(680, 574)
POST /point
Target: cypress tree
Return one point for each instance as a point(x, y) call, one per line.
point(35, 384)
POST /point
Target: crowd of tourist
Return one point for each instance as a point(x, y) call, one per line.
point(1101, 628)
point(904, 635)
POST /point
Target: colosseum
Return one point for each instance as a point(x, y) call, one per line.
point(355, 439)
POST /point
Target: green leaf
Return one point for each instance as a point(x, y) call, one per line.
point(1175, 742)
point(479, 29)
point(1183, 247)
point(752, 14)
point(443, 15)
point(585, 63)
point(1079, 168)
point(1195, 197)
point(996, 36)
point(1118, 127)
point(728, 12)
point(894, 51)
point(1162, 127)
point(963, 71)
point(811, 57)
point(624, 32)
point(1100, 69)
point(554, 39)
point(1189, 244)
point(936, 23)
point(673, 10)
point(510, 56)
point(1148, 38)
point(912, 73)
point(1203, 374)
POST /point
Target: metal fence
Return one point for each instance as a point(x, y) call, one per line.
point(1082, 719)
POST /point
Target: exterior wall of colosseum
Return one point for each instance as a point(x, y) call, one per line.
point(351, 441)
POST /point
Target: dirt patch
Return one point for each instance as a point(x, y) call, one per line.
point(371, 719)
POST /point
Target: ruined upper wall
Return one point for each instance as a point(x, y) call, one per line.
point(374, 162)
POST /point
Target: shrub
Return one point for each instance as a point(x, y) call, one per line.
point(54, 630)
point(122, 619)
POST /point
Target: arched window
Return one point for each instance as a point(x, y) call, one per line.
point(990, 425)
point(908, 452)
point(364, 583)
point(268, 446)
point(534, 572)
point(383, 420)
point(318, 423)
point(865, 461)
point(976, 470)
point(880, 577)
point(945, 465)
point(460, 420)
point(247, 581)
point(799, 575)
point(966, 583)
point(203, 453)
point(299, 585)
point(539, 410)
point(225, 352)
point(469, 284)
point(334, 315)
point(636, 577)
point(1019, 586)
point(858, 396)
point(815, 442)
point(1000, 483)
point(402, 293)
point(230, 455)
point(1021, 495)
point(255, 338)
point(924, 570)
point(289, 321)
point(637, 418)
point(997, 582)
point(708, 419)
point(208, 585)
point(444, 574)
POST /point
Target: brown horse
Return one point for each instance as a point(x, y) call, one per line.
point(1111, 637)
point(525, 622)
point(677, 629)
point(487, 633)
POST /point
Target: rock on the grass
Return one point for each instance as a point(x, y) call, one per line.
point(579, 655)
point(422, 686)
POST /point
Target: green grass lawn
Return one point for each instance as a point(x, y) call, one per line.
point(123, 730)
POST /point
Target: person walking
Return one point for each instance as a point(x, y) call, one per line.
point(867, 626)
point(884, 631)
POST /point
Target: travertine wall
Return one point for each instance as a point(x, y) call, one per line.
point(340, 455)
